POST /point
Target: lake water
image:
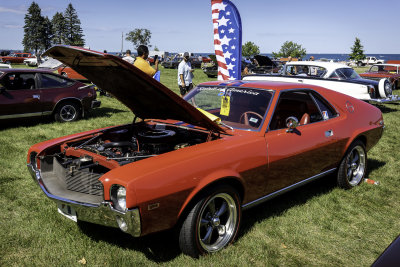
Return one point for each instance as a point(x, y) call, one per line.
point(336, 57)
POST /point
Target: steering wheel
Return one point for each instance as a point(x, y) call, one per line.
point(245, 117)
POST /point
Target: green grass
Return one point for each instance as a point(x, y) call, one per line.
point(316, 225)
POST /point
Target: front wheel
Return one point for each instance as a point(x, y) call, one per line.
point(213, 222)
point(353, 167)
point(67, 111)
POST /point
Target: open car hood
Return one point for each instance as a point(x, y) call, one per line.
point(264, 61)
point(146, 97)
point(51, 63)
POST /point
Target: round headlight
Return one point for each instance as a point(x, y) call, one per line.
point(121, 197)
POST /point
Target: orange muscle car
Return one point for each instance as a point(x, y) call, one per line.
point(196, 162)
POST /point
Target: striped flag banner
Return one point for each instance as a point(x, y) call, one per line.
point(227, 39)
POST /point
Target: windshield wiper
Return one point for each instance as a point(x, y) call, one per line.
point(227, 126)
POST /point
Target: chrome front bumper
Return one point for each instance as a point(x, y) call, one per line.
point(102, 214)
point(392, 98)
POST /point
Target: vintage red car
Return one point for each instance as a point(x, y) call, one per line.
point(70, 73)
point(380, 71)
point(35, 92)
point(15, 58)
point(196, 162)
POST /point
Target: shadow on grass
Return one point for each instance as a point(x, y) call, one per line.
point(158, 247)
point(103, 112)
point(163, 247)
point(280, 204)
point(29, 122)
point(386, 109)
point(373, 164)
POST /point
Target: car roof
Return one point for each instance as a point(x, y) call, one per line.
point(390, 65)
point(326, 65)
point(265, 85)
point(26, 70)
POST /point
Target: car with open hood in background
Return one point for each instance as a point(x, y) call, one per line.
point(195, 163)
point(36, 92)
point(334, 76)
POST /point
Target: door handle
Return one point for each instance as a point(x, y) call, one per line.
point(329, 133)
point(300, 81)
point(36, 96)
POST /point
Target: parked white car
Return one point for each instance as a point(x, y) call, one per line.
point(370, 61)
point(334, 76)
point(32, 62)
point(5, 66)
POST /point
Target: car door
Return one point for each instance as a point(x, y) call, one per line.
point(312, 148)
point(53, 88)
point(20, 96)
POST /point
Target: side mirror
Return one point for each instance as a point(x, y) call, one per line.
point(291, 123)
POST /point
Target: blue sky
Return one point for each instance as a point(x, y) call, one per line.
point(177, 25)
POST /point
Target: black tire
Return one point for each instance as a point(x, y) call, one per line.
point(353, 167)
point(213, 222)
point(67, 111)
point(8, 62)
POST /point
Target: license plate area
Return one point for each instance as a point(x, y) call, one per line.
point(67, 211)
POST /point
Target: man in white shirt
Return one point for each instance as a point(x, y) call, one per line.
point(185, 75)
point(128, 57)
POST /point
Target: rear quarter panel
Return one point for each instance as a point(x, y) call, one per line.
point(363, 120)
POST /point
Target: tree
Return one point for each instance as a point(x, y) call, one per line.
point(47, 33)
point(291, 49)
point(357, 51)
point(139, 37)
point(250, 49)
point(33, 29)
point(74, 33)
point(59, 29)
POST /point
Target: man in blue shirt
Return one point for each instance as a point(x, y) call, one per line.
point(185, 75)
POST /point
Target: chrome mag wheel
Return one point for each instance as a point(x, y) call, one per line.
point(68, 113)
point(218, 221)
point(355, 165)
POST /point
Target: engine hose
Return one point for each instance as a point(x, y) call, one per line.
point(118, 144)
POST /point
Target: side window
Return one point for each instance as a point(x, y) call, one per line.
point(20, 81)
point(52, 81)
point(298, 104)
point(326, 110)
point(334, 75)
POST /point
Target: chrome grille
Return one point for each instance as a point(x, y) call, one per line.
point(84, 182)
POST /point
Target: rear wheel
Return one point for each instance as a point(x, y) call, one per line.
point(353, 166)
point(67, 111)
point(8, 62)
point(213, 222)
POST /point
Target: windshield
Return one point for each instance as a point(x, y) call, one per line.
point(347, 73)
point(240, 108)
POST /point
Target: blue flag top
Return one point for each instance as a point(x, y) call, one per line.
point(227, 39)
point(157, 76)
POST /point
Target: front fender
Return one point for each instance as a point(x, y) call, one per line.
point(211, 178)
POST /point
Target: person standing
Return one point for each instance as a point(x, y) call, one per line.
point(128, 57)
point(185, 75)
point(141, 62)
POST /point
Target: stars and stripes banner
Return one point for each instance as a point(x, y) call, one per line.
point(227, 39)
